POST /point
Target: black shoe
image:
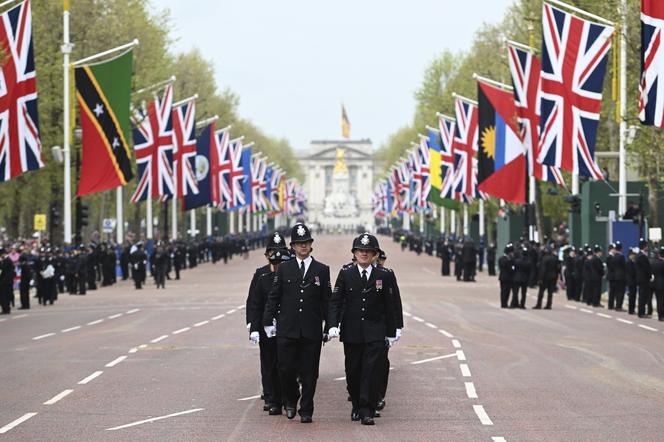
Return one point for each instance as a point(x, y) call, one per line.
point(537, 307)
point(305, 419)
point(643, 316)
point(266, 407)
point(350, 399)
point(354, 416)
point(380, 405)
point(548, 307)
point(368, 421)
point(290, 412)
point(275, 411)
point(619, 309)
point(376, 413)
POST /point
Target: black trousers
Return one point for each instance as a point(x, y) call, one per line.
point(270, 371)
point(631, 299)
point(363, 365)
point(298, 357)
point(492, 268)
point(578, 288)
point(516, 288)
point(549, 287)
point(659, 294)
point(445, 267)
point(616, 294)
point(645, 299)
point(384, 373)
point(505, 290)
point(24, 290)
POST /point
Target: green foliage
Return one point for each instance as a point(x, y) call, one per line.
point(95, 26)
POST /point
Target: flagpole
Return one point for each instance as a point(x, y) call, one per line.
point(208, 221)
point(119, 215)
point(148, 215)
point(66, 50)
point(531, 200)
point(86, 60)
point(240, 223)
point(579, 11)
point(174, 218)
point(231, 223)
point(248, 220)
point(453, 220)
point(481, 215)
point(622, 168)
point(192, 223)
point(465, 220)
point(493, 82)
point(442, 219)
point(155, 86)
point(185, 101)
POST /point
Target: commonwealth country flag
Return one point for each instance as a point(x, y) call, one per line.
point(103, 92)
point(345, 123)
point(436, 172)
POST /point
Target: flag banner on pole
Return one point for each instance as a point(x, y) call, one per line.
point(245, 194)
point(231, 174)
point(574, 55)
point(205, 159)
point(276, 179)
point(425, 172)
point(436, 171)
point(103, 92)
point(20, 146)
point(390, 197)
point(526, 70)
point(501, 156)
point(289, 197)
point(402, 187)
point(465, 148)
point(184, 152)
point(153, 145)
point(651, 87)
point(345, 123)
point(414, 167)
point(301, 200)
point(447, 127)
point(258, 185)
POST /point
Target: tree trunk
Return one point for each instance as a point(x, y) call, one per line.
point(653, 184)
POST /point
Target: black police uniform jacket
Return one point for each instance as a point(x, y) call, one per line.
point(365, 312)
point(300, 306)
point(643, 269)
point(260, 287)
point(507, 268)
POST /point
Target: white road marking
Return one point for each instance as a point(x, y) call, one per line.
point(498, 439)
point(218, 317)
point(18, 421)
point(160, 338)
point(117, 315)
point(133, 350)
point(70, 329)
point(95, 322)
point(116, 361)
point(456, 343)
point(3, 319)
point(19, 316)
point(433, 359)
point(429, 271)
point(585, 310)
point(230, 312)
point(648, 328)
point(57, 397)
point(143, 346)
point(240, 307)
point(470, 390)
point(342, 378)
point(448, 334)
point(481, 414)
point(624, 320)
point(248, 398)
point(573, 307)
point(418, 319)
point(198, 324)
point(37, 338)
point(407, 314)
point(134, 310)
point(465, 371)
point(430, 325)
point(461, 355)
point(154, 419)
point(182, 330)
point(604, 315)
point(91, 377)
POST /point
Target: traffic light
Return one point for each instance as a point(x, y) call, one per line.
point(83, 215)
point(53, 217)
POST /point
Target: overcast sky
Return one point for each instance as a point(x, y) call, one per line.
point(293, 62)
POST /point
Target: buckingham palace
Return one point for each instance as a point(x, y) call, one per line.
point(339, 183)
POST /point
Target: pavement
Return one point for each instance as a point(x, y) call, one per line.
point(176, 365)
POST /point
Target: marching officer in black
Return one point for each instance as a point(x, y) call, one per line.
point(595, 278)
point(261, 284)
point(547, 277)
point(658, 273)
point(617, 291)
point(364, 312)
point(507, 267)
point(445, 254)
point(82, 270)
point(160, 260)
point(138, 260)
point(609, 262)
point(579, 280)
point(521, 278)
point(630, 280)
point(6, 281)
point(491, 259)
point(643, 277)
point(27, 273)
point(568, 273)
point(298, 301)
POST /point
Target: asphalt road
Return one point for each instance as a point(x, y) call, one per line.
point(176, 365)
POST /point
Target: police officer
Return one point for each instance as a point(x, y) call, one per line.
point(138, 260)
point(364, 312)
point(6, 281)
point(298, 301)
point(617, 290)
point(160, 261)
point(568, 273)
point(579, 261)
point(261, 284)
point(491, 259)
point(506, 267)
point(521, 278)
point(658, 273)
point(26, 279)
point(643, 276)
point(595, 278)
point(549, 269)
point(630, 280)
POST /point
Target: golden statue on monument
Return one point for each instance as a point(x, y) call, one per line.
point(340, 165)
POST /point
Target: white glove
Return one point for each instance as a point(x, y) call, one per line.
point(270, 331)
point(254, 337)
point(248, 325)
point(398, 336)
point(332, 333)
point(390, 341)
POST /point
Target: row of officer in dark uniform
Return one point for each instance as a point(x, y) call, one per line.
point(292, 306)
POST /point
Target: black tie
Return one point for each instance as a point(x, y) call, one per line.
point(302, 270)
point(364, 276)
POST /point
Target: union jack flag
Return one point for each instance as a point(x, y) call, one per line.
point(153, 144)
point(425, 171)
point(415, 168)
point(379, 200)
point(402, 187)
point(465, 149)
point(574, 53)
point(184, 135)
point(651, 87)
point(447, 129)
point(526, 70)
point(290, 205)
point(20, 147)
point(275, 184)
point(258, 185)
point(231, 175)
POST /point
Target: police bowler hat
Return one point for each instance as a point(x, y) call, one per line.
point(365, 241)
point(300, 233)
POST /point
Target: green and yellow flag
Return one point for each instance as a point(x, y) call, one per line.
point(103, 92)
point(436, 172)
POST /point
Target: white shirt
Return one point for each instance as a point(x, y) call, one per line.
point(368, 269)
point(307, 263)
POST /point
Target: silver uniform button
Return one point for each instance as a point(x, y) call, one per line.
point(362, 308)
point(300, 309)
point(301, 291)
point(363, 319)
point(364, 299)
point(301, 300)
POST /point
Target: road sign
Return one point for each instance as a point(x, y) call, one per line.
point(655, 234)
point(40, 221)
point(108, 224)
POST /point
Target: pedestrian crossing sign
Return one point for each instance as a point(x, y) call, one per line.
point(40, 221)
